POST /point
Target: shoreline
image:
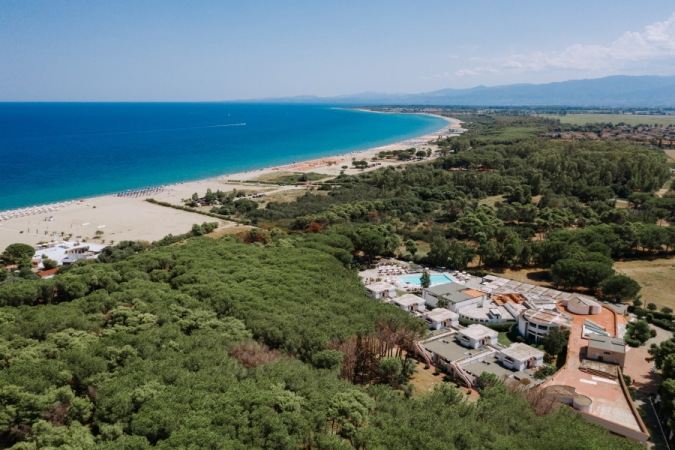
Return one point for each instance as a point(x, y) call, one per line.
point(130, 217)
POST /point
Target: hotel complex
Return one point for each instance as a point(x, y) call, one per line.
point(460, 312)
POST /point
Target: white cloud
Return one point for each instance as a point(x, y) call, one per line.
point(655, 43)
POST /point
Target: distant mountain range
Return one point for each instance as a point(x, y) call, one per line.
point(614, 91)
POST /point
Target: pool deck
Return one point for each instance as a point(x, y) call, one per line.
point(373, 274)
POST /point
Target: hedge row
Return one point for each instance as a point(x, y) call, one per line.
point(499, 327)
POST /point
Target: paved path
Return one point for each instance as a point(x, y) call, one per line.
point(640, 370)
point(609, 401)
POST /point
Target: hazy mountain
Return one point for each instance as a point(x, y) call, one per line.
point(614, 91)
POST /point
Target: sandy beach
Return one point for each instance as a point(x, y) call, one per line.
point(133, 218)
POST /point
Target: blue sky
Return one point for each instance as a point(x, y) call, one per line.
point(218, 50)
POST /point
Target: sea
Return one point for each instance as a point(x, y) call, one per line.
point(52, 152)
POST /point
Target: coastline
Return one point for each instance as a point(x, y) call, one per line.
point(130, 217)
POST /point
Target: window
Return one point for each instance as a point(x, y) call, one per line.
point(607, 353)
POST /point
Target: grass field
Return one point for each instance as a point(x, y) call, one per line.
point(291, 177)
point(656, 277)
point(503, 339)
point(582, 119)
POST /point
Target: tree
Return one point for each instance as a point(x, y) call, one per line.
point(389, 370)
point(210, 197)
point(370, 240)
point(327, 359)
point(411, 247)
point(594, 273)
point(49, 264)
point(439, 251)
point(17, 253)
point(487, 380)
point(637, 333)
point(667, 310)
point(425, 279)
point(460, 255)
point(349, 410)
point(621, 288)
point(651, 306)
point(555, 341)
point(489, 253)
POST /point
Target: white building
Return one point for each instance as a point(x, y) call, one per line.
point(440, 318)
point(535, 324)
point(582, 305)
point(67, 252)
point(381, 290)
point(475, 336)
point(521, 356)
point(409, 302)
point(456, 295)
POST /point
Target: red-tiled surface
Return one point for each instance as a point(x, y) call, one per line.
point(46, 273)
point(609, 401)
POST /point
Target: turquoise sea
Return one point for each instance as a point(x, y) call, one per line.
point(61, 151)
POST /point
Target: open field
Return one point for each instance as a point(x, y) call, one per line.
point(656, 277)
point(629, 119)
point(535, 276)
point(490, 201)
point(291, 177)
point(229, 228)
point(425, 379)
point(670, 154)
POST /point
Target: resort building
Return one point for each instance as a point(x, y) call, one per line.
point(67, 252)
point(521, 356)
point(535, 324)
point(409, 302)
point(456, 295)
point(582, 305)
point(440, 318)
point(475, 336)
point(447, 352)
point(606, 349)
point(381, 290)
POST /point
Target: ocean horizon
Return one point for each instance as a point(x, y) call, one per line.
point(54, 152)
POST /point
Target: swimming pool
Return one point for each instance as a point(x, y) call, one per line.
point(435, 279)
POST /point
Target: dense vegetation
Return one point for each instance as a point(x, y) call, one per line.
point(152, 350)
point(265, 340)
point(500, 197)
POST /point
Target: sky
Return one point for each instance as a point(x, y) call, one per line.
point(196, 50)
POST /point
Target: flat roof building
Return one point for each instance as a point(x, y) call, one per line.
point(409, 302)
point(521, 356)
point(535, 324)
point(456, 295)
point(440, 318)
point(67, 252)
point(606, 349)
point(475, 336)
point(381, 290)
point(582, 305)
